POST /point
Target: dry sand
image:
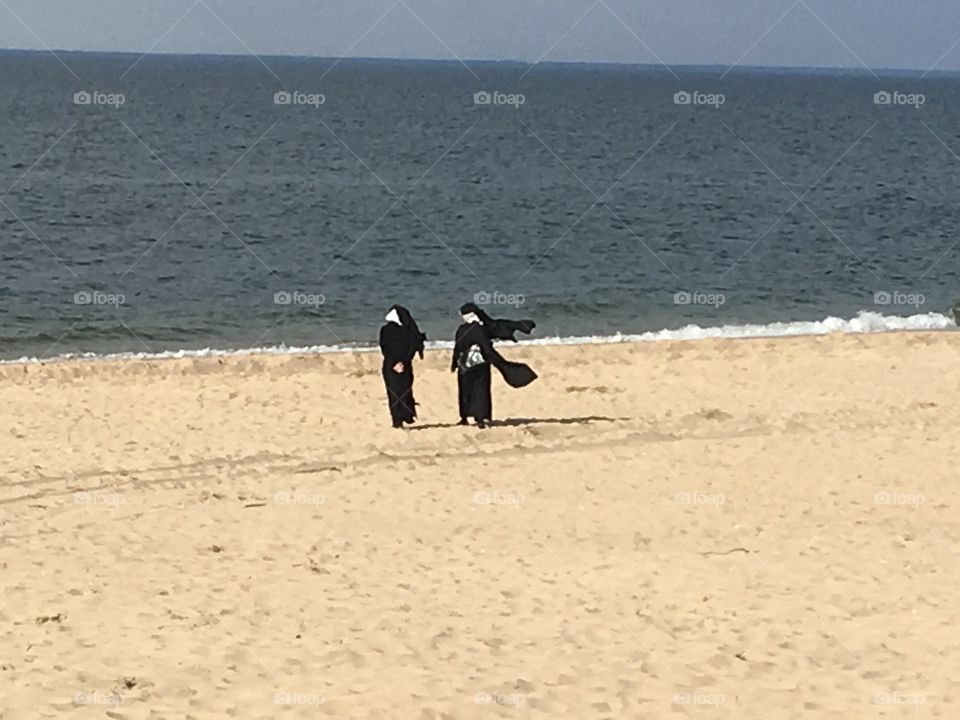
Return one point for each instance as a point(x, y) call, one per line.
point(740, 529)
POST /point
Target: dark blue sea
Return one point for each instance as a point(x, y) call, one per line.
point(171, 203)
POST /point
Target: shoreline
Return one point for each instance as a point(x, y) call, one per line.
point(864, 323)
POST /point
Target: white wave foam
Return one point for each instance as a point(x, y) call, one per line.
point(864, 322)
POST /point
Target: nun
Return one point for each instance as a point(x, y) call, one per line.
point(473, 356)
point(400, 340)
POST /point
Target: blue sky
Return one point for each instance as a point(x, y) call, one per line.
point(921, 34)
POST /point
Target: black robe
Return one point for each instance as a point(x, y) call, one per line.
point(473, 384)
point(400, 344)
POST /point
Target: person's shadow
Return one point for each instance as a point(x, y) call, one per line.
point(523, 422)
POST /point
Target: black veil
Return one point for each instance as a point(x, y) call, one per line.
point(500, 328)
point(411, 329)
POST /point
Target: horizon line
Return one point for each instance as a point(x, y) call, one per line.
point(853, 69)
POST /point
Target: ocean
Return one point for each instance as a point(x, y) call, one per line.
point(172, 204)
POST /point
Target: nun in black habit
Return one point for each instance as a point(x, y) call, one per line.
point(400, 340)
point(473, 355)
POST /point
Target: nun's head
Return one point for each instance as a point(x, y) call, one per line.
point(401, 316)
point(470, 313)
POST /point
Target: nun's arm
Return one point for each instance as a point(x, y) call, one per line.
point(454, 358)
point(488, 351)
point(388, 346)
point(457, 349)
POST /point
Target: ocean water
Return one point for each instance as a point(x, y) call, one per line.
point(168, 204)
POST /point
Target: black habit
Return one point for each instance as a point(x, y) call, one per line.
point(473, 354)
point(399, 344)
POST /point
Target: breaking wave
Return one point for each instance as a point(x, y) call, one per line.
point(864, 322)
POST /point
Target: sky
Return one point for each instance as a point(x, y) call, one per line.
point(878, 34)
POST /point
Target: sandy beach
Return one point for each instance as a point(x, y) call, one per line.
point(720, 528)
